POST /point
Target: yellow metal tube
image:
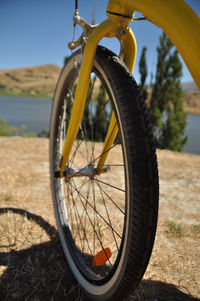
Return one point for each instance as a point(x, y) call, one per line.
point(107, 28)
point(130, 49)
point(82, 89)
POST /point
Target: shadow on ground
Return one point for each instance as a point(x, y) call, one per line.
point(41, 273)
point(158, 291)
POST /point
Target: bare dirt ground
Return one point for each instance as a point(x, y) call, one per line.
point(32, 265)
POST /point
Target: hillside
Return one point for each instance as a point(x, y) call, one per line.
point(191, 99)
point(191, 102)
point(32, 265)
point(39, 81)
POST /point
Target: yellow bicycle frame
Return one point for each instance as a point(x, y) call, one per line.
point(176, 19)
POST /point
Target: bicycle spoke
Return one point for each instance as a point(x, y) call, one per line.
point(103, 153)
point(112, 165)
point(92, 222)
point(80, 221)
point(108, 216)
point(96, 212)
point(96, 123)
point(77, 149)
point(91, 110)
point(115, 187)
point(111, 200)
point(94, 216)
point(85, 209)
point(84, 128)
point(77, 223)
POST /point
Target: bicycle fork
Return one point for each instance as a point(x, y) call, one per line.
point(114, 26)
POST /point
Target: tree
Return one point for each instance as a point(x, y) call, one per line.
point(101, 117)
point(172, 135)
point(166, 109)
point(143, 73)
point(159, 97)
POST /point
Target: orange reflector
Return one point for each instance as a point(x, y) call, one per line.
point(102, 257)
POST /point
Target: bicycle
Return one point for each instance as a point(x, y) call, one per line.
point(104, 173)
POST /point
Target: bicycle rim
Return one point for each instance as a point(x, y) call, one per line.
point(92, 209)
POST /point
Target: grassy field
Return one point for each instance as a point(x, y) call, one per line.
point(32, 265)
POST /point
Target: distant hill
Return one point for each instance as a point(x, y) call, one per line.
point(39, 81)
point(191, 98)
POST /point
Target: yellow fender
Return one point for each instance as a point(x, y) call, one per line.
point(177, 20)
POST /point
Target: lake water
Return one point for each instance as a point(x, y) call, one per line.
point(35, 114)
point(193, 133)
point(32, 112)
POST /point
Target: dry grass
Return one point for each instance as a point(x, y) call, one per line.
point(32, 265)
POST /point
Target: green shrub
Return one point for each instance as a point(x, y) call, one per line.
point(9, 130)
point(174, 229)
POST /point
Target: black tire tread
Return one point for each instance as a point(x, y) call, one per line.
point(143, 161)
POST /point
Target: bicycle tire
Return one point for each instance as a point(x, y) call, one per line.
point(120, 273)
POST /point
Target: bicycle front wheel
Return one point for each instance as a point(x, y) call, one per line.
point(106, 222)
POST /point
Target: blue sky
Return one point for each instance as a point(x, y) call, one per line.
point(36, 32)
